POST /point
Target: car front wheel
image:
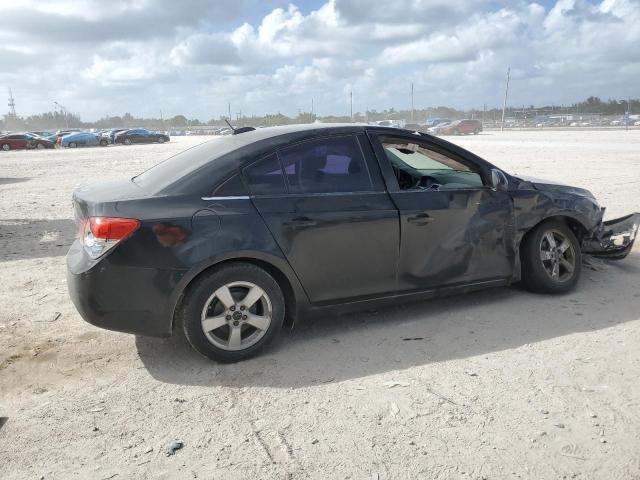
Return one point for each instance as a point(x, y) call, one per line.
point(73, 144)
point(40, 146)
point(551, 258)
point(232, 313)
point(127, 141)
point(6, 147)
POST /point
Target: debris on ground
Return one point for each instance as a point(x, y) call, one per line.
point(471, 373)
point(173, 446)
point(395, 384)
point(559, 425)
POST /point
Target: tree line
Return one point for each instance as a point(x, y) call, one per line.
point(59, 120)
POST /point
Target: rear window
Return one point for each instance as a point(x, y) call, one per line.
point(173, 169)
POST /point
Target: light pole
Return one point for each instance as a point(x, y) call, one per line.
point(63, 110)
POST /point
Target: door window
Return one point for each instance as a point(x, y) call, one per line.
point(419, 167)
point(265, 177)
point(327, 165)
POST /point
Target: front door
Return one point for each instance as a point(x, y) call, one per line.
point(454, 228)
point(327, 209)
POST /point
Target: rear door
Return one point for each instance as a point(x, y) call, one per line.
point(327, 208)
point(454, 228)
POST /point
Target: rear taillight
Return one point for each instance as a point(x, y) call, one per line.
point(100, 234)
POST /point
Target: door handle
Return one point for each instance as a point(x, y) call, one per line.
point(299, 222)
point(420, 219)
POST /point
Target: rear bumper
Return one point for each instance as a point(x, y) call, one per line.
point(614, 238)
point(118, 297)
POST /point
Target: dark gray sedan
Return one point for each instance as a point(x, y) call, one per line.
point(233, 238)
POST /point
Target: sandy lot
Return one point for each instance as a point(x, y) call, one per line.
point(498, 384)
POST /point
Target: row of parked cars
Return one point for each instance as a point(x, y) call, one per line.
point(444, 126)
point(79, 138)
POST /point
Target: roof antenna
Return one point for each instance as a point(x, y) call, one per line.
point(236, 131)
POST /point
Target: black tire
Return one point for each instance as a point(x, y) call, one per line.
point(6, 147)
point(535, 272)
point(161, 140)
point(200, 293)
point(103, 143)
point(127, 141)
point(40, 146)
point(73, 144)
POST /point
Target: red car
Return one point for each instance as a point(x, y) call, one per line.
point(21, 141)
point(460, 127)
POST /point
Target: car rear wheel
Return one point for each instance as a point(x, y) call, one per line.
point(73, 144)
point(551, 258)
point(160, 140)
point(233, 313)
point(6, 147)
point(127, 141)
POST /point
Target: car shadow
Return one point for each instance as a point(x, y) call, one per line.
point(339, 348)
point(9, 181)
point(35, 238)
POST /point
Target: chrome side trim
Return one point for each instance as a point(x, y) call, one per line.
point(241, 197)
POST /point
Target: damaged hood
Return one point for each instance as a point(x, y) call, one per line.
point(553, 186)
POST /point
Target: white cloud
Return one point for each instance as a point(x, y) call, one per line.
point(194, 57)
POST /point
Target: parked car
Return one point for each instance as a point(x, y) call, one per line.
point(140, 135)
point(434, 122)
point(21, 141)
point(459, 127)
point(61, 133)
point(42, 134)
point(113, 132)
point(82, 139)
point(237, 236)
point(417, 127)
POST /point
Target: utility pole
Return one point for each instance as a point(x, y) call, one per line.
point(63, 109)
point(411, 102)
point(12, 105)
point(351, 103)
point(504, 104)
point(311, 109)
point(229, 111)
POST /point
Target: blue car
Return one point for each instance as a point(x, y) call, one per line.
point(82, 139)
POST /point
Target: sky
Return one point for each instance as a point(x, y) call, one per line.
point(194, 57)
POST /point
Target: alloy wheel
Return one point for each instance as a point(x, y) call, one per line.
point(557, 255)
point(236, 316)
point(6, 147)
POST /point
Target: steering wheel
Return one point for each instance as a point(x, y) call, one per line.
point(427, 182)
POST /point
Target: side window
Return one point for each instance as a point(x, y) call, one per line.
point(418, 167)
point(232, 187)
point(265, 177)
point(333, 164)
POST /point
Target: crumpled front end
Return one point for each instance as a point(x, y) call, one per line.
point(614, 238)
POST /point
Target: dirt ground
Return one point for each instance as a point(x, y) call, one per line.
point(497, 384)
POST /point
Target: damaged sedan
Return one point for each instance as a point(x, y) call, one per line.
point(239, 236)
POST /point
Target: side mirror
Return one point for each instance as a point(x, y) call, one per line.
point(499, 181)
